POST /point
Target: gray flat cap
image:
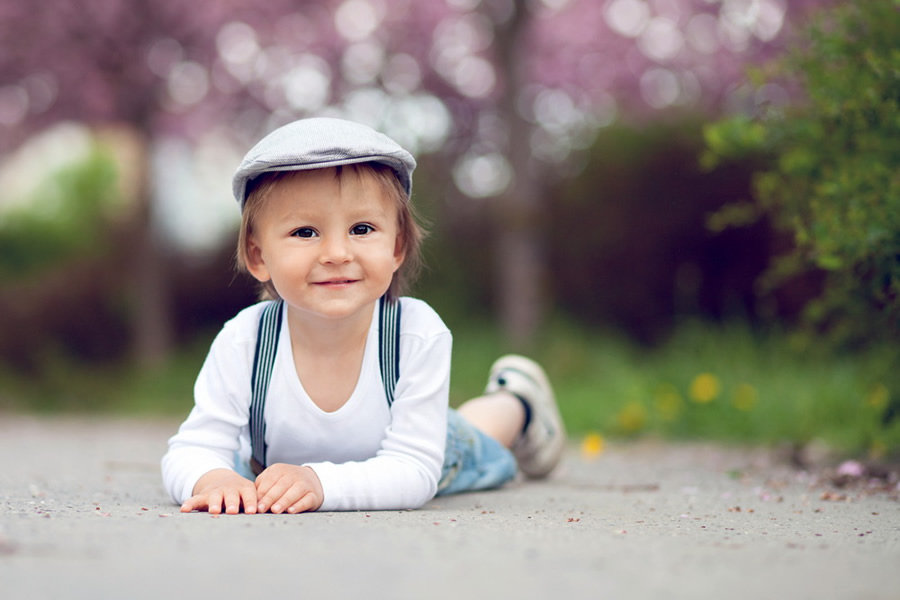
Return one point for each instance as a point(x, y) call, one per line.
point(317, 144)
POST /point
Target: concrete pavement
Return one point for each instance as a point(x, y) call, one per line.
point(83, 515)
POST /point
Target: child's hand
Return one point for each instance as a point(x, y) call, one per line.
point(222, 487)
point(283, 487)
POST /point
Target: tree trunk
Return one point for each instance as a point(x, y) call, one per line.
point(521, 263)
point(151, 309)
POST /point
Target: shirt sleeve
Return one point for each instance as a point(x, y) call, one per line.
point(405, 471)
point(210, 435)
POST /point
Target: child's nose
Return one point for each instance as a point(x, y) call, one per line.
point(335, 249)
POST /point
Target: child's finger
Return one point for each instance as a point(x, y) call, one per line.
point(193, 503)
point(289, 497)
point(232, 500)
point(307, 502)
point(273, 495)
point(215, 502)
point(248, 498)
point(264, 483)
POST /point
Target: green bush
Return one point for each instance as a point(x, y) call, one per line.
point(65, 218)
point(831, 167)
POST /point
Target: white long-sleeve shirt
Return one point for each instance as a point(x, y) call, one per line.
point(367, 456)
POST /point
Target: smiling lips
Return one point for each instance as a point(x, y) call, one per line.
point(335, 282)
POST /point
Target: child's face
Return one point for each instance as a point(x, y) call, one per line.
point(328, 245)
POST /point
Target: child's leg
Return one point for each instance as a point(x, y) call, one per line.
point(519, 410)
point(515, 422)
point(500, 415)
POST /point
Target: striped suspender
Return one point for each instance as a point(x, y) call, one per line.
point(264, 360)
point(389, 346)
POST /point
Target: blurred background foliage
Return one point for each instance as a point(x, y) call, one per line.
point(829, 175)
point(691, 251)
point(65, 219)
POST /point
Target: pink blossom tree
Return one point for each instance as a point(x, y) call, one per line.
point(505, 93)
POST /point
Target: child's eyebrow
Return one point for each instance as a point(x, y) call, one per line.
point(296, 215)
point(370, 214)
point(364, 212)
point(369, 210)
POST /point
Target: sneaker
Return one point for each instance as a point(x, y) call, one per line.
point(539, 448)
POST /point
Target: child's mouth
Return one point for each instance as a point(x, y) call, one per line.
point(336, 282)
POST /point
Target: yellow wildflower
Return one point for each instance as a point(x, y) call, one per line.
point(704, 388)
point(592, 446)
point(879, 396)
point(745, 396)
point(632, 417)
point(668, 402)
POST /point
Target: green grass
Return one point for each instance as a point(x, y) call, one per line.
point(759, 388)
point(64, 385)
point(772, 388)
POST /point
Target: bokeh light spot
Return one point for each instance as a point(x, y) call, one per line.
point(13, 104)
point(307, 86)
point(661, 40)
point(163, 55)
point(362, 62)
point(474, 77)
point(483, 176)
point(659, 87)
point(188, 83)
point(356, 20)
point(702, 33)
point(401, 74)
point(627, 17)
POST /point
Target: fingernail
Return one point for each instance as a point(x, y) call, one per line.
point(261, 507)
point(276, 508)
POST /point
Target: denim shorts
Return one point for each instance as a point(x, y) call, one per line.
point(473, 460)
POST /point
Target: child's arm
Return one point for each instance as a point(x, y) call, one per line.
point(222, 487)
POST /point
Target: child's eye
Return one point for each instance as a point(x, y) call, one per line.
point(304, 232)
point(361, 229)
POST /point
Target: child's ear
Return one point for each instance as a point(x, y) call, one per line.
point(256, 265)
point(399, 252)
